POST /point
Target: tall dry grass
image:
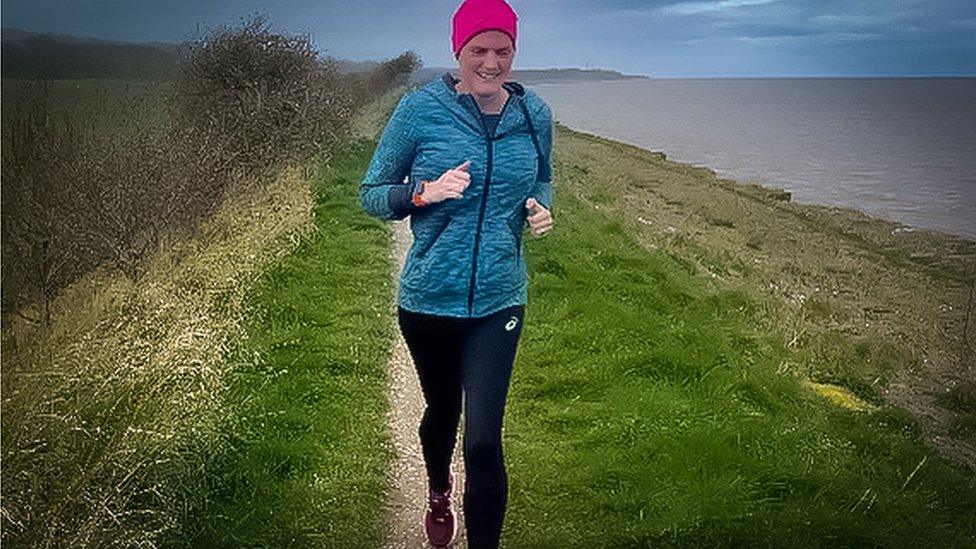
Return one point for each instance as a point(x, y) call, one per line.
point(97, 406)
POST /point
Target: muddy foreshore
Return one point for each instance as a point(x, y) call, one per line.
point(877, 306)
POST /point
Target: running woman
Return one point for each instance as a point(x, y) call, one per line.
point(468, 159)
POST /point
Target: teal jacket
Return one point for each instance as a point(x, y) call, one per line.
point(467, 256)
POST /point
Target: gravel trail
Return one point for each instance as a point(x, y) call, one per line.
point(407, 477)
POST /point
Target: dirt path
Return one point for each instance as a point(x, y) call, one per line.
point(407, 477)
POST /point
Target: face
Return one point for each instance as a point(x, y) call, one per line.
point(485, 62)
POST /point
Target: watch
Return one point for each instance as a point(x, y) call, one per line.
point(416, 199)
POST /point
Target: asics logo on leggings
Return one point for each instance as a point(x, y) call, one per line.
point(510, 325)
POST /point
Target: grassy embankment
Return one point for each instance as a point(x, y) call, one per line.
point(304, 453)
point(232, 395)
point(660, 395)
point(884, 311)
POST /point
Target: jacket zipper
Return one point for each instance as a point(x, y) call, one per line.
point(489, 139)
point(518, 242)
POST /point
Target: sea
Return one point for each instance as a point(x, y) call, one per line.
point(903, 149)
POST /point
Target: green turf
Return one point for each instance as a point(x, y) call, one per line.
point(646, 410)
point(304, 460)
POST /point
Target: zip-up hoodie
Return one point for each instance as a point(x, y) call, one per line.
point(466, 260)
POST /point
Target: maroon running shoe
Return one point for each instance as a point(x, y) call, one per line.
point(439, 521)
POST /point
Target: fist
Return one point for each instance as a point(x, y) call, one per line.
point(540, 220)
point(449, 185)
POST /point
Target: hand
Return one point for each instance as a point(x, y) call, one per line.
point(540, 220)
point(449, 185)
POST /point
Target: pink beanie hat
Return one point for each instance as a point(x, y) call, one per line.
point(475, 16)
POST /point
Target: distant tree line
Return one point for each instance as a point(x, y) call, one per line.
point(532, 77)
point(245, 102)
point(41, 56)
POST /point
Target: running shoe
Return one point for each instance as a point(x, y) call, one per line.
point(439, 521)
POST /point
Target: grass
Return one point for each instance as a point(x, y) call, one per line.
point(858, 303)
point(646, 410)
point(962, 400)
point(99, 407)
point(304, 454)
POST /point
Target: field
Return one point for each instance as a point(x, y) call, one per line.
point(98, 105)
point(703, 363)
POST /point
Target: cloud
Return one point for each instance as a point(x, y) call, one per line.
point(820, 22)
point(712, 6)
point(824, 37)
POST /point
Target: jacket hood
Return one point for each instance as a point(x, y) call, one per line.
point(464, 106)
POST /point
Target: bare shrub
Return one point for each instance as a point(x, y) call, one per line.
point(265, 97)
point(395, 72)
point(74, 200)
point(78, 195)
point(41, 158)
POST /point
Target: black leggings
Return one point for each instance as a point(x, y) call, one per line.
point(475, 354)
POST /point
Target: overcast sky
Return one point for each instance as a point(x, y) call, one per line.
point(708, 38)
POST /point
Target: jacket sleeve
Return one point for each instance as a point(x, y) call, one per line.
point(542, 191)
point(384, 193)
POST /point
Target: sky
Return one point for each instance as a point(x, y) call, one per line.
point(657, 38)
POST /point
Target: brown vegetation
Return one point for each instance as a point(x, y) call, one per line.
point(247, 102)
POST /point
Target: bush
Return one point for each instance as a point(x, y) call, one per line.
point(265, 97)
point(41, 160)
point(387, 75)
point(246, 103)
point(75, 200)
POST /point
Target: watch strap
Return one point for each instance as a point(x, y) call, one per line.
point(417, 199)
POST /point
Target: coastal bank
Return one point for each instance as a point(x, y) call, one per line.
point(881, 309)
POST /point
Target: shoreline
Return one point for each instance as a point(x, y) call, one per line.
point(899, 226)
point(781, 194)
point(844, 279)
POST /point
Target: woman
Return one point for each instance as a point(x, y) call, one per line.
point(468, 160)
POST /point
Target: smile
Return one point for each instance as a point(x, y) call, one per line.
point(486, 77)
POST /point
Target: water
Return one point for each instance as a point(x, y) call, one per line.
point(901, 149)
